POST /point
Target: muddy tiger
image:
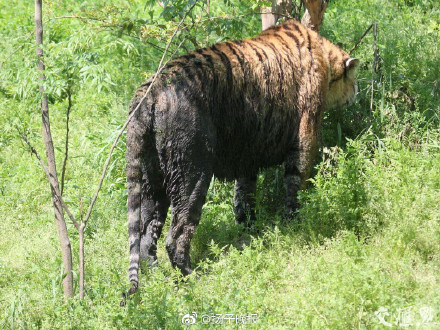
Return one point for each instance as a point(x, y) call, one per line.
point(227, 110)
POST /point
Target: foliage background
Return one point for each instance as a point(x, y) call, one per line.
point(369, 235)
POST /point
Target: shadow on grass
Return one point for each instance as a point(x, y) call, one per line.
point(337, 201)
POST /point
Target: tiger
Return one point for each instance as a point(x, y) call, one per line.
point(228, 111)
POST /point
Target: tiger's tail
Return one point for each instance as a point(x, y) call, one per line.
point(136, 131)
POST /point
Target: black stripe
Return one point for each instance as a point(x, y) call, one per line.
point(209, 61)
point(240, 57)
point(311, 73)
point(288, 49)
point(289, 26)
point(345, 67)
point(192, 72)
point(277, 57)
point(266, 71)
point(277, 27)
point(281, 39)
point(312, 68)
point(226, 63)
point(294, 37)
point(197, 64)
point(187, 70)
point(298, 45)
point(309, 46)
point(135, 243)
point(133, 202)
point(187, 57)
point(255, 48)
point(335, 80)
point(297, 29)
point(145, 84)
point(268, 115)
point(273, 48)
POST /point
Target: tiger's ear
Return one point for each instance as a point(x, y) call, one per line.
point(352, 63)
point(350, 67)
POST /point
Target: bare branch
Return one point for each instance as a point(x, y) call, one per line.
point(81, 260)
point(81, 213)
point(81, 229)
point(83, 18)
point(50, 179)
point(66, 152)
point(8, 57)
point(374, 65)
point(360, 39)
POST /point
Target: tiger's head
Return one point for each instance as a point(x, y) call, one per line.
point(342, 78)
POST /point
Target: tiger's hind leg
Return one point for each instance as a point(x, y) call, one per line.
point(154, 209)
point(187, 209)
point(299, 162)
point(244, 200)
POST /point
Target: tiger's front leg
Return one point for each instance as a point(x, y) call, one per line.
point(244, 200)
point(299, 162)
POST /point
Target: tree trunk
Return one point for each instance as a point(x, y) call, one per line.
point(312, 18)
point(47, 137)
point(270, 16)
point(314, 14)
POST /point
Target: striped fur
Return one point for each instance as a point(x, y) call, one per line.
point(227, 110)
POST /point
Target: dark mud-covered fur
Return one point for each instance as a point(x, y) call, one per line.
point(227, 110)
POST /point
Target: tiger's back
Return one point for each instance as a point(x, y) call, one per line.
point(254, 90)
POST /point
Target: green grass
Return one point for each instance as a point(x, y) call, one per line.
point(367, 235)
